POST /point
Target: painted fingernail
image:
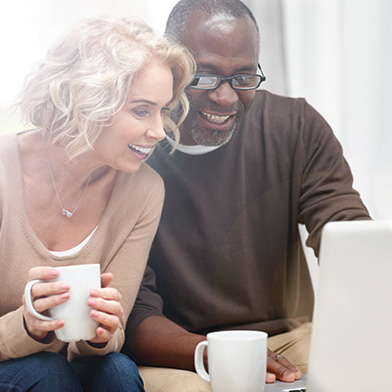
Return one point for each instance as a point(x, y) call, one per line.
point(91, 302)
point(94, 293)
point(53, 272)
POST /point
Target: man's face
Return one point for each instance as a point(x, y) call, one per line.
point(222, 46)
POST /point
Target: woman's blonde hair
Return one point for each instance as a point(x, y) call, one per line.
point(85, 80)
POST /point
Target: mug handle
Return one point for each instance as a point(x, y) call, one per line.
point(199, 362)
point(29, 302)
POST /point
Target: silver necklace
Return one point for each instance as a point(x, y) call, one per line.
point(64, 211)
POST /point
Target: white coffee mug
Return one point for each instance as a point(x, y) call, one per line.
point(78, 324)
point(237, 361)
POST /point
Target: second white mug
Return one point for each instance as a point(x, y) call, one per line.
point(237, 361)
point(75, 312)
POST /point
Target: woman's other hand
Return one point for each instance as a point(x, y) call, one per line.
point(106, 309)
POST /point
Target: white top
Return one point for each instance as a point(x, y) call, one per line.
point(192, 150)
point(75, 249)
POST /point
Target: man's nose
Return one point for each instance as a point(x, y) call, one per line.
point(224, 95)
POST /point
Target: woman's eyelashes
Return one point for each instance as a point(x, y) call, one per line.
point(165, 111)
point(141, 112)
point(145, 111)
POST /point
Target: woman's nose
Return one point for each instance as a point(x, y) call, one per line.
point(157, 130)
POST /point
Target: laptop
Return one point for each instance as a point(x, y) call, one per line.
point(351, 343)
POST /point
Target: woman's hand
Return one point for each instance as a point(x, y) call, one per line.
point(44, 296)
point(106, 309)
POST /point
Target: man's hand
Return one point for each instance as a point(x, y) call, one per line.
point(278, 367)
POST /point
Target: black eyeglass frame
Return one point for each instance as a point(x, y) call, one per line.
point(230, 80)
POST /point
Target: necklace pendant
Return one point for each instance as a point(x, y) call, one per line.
point(66, 213)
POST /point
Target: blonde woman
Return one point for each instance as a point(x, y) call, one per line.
point(75, 190)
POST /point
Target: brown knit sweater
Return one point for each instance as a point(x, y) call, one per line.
point(227, 254)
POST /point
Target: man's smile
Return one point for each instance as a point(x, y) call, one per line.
point(220, 122)
point(217, 119)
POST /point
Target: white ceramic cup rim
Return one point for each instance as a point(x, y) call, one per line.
point(237, 335)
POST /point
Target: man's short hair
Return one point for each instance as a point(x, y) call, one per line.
point(177, 20)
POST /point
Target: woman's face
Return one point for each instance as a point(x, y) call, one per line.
point(138, 126)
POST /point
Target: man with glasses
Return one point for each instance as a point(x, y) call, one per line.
point(250, 167)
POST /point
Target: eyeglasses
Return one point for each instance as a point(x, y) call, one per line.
point(237, 82)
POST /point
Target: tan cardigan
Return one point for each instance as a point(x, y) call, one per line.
point(120, 244)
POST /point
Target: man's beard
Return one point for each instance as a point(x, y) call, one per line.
point(215, 138)
point(205, 137)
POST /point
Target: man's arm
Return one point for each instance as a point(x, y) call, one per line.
point(160, 342)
